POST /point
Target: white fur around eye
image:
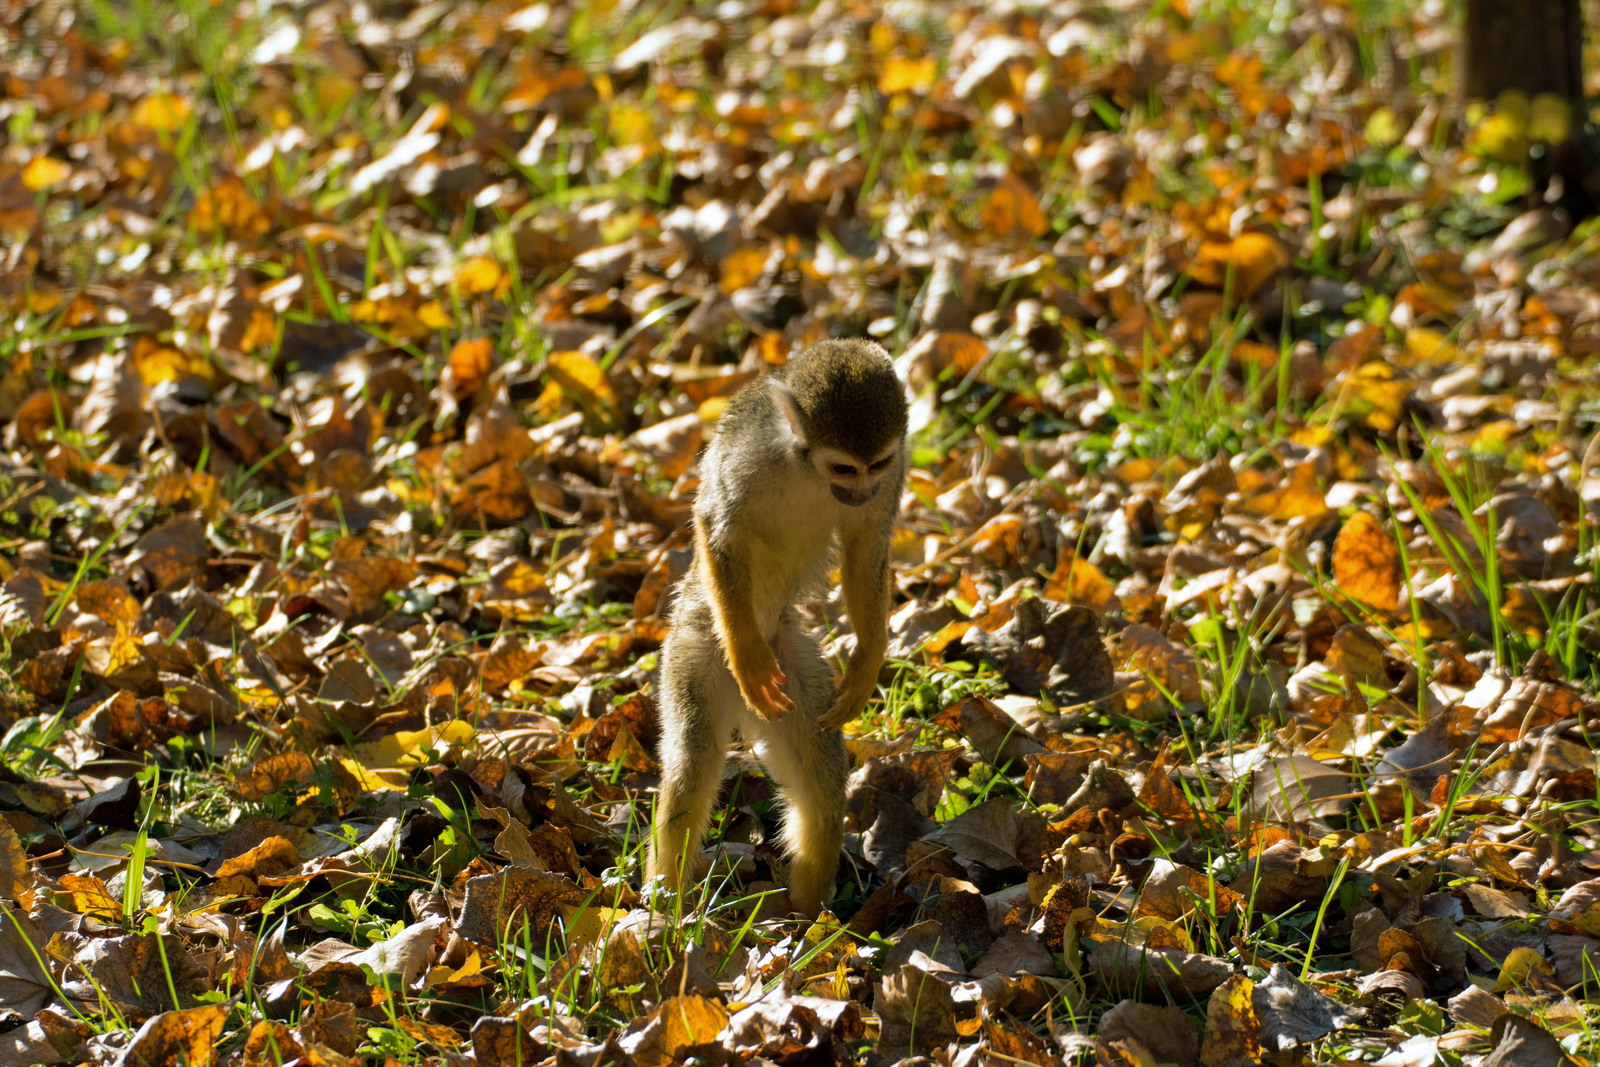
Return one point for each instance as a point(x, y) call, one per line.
point(825, 459)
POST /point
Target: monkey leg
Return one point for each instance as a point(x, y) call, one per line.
point(699, 702)
point(809, 765)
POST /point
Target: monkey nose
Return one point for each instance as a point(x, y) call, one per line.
point(854, 497)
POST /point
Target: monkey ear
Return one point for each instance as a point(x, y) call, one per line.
point(791, 429)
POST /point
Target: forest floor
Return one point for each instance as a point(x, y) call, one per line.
point(1244, 664)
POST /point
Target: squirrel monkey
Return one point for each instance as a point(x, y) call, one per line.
point(811, 450)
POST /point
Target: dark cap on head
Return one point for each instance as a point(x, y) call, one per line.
point(849, 397)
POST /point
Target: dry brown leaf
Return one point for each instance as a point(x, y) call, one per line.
point(269, 774)
point(678, 1027)
point(185, 1038)
point(496, 906)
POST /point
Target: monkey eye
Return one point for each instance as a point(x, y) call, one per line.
point(881, 464)
point(843, 468)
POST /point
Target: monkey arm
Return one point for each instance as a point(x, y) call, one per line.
point(864, 577)
point(726, 573)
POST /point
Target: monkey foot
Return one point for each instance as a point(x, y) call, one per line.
point(835, 717)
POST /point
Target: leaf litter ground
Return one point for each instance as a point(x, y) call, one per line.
point(1243, 671)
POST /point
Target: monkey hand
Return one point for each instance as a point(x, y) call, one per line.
point(761, 686)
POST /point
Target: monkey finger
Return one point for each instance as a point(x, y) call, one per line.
point(770, 709)
point(780, 699)
point(767, 700)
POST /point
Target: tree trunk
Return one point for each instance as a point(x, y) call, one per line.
point(1532, 45)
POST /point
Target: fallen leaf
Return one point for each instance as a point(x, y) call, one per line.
point(1366, 563)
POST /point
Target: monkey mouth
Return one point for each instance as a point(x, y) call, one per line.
point(854, 497)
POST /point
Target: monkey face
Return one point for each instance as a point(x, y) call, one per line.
point(852, 480)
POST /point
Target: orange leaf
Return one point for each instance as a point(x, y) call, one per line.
point(1077, 581)
point(16, 882)
point(1300, 496)
point(1251, 258)
point(742, 267)
point(470, 362)
point(1366, 563)
point(1013, 207)
point(227, 209)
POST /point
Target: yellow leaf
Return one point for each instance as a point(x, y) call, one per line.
point(1514, 104)
point(1588, 921)
point(903, 74)
point(406, 748)
point(630, 124)
point(710, 410)
point(443, 975)
point(1383, 128)
point(1430, 346)
point(433, 315)
point(1515, 970)
point(588, 925)
point(1549, 119)
point(162, 112)
point(1429, 630)
point(582, 379)
point(1232, 1029)
point(157, 362)
point(42, 172)
point(1504, 134)
point(1077, 581)
point(377, 780)
point(1373, 393)
point(478, 274)
point(86, 895)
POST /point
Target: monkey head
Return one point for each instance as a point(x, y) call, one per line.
point(846, 411)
